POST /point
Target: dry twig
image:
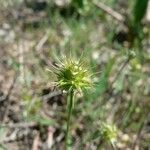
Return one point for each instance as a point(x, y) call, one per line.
point(16, 135)
point(8, 95)
point(19, 125)
point(110, 11)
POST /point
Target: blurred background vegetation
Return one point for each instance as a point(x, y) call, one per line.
point(114, 38)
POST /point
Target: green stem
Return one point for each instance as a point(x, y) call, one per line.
point(113, 145)
point(69, 108)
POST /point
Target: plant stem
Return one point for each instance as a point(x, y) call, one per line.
point(113, 145)
point(69, 108)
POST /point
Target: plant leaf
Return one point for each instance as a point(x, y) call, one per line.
point(139, 10)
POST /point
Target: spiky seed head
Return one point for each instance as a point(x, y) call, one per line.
point(72, 75)
point(108, 132)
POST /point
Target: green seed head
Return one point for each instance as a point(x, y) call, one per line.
point(72, 75)
point(108, 132)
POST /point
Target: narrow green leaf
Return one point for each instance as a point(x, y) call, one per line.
point(103, 80)
point(42, 121)
point(139, 10)
point(78, 3)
